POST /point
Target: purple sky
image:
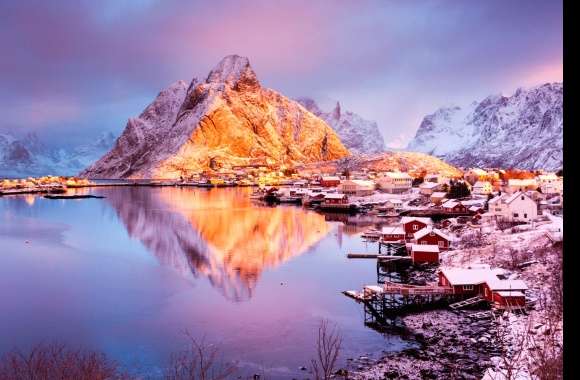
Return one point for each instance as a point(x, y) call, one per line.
point(74, 69)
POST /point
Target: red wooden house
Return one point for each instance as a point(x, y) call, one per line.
point(433, 236)
point(455, 207)
point(335, 199)
point(413, 224)
point(486, 283)
point(392, 234)
point(330, 181)
point(424, 253)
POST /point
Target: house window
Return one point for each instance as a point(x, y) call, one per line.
point(485, 291)
point(415, 227)
point(424, 242)
point(467, 287)
point(522, 197)
point(525, 216)
point(515, 214)
point(441, 244)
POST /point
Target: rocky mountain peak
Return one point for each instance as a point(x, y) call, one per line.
point(357, 134)
point(226, 120)
point(233, 70)
point(336, 111)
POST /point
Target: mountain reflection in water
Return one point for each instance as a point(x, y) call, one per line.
point(216, 233)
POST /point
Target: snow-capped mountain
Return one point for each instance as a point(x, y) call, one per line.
point(28, 156)
point(357, 134)
point(226, 119)
point(524, 131)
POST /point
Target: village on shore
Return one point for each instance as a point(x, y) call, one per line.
point(482, 251)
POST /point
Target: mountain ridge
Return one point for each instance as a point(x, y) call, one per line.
point(524, 130)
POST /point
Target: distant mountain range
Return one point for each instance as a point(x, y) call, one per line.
point(28, 156)
point(230, 119)
point(360, 136)
point(523, 131)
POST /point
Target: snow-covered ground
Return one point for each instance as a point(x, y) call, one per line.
point(532, 339)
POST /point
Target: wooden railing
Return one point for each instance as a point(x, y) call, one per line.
point(394, 288)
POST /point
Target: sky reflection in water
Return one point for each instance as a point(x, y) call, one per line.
point(128, 273)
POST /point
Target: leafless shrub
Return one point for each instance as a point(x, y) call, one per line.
point(515, 257)
point(198, 361)
point(56, 361)
point(546, 352)
point(512, 346)
point(474, 239)
point(328, 345)
point(503, 224)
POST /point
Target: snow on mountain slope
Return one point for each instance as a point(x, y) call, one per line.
point(524, 130)
point(28, 156)
point(228, 119)
point(357, 134)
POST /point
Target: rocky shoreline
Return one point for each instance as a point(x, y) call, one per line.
point(449, 346)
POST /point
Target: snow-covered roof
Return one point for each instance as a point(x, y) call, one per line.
point(429, 185)
point(481, 184)
point(331, 178)
point(495, 283)
point(467, 276)
point(395, 201)
point(389, 230)
point(439, 194)
point(515, 196)
point(474, 208)
point(359, 182)
point(425, 248)
point(450, 204)
point(408, 219)
point(425, 231)
point(522, 182)
point(507, 293)
point(547, 177)
point(495, 199)
point(398, 175)
point(473, 202)
point(477, 171)
point(335, 196)
point(475, 276)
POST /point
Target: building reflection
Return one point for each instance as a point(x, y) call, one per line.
point(217, 233)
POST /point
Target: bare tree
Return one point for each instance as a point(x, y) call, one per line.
point(328, 345)
point(512, 346)
point(546, 351)
point(515, 258)
point(198, 361)
point(56, 361)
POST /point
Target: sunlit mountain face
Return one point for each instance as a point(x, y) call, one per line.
point(218, 233)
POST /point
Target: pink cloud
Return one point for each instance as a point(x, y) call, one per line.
point(44, 111)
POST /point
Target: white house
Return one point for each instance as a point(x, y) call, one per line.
point(550, 183)
point(393, 204)
point(357, 187)
point(517, 207)
point(438, 197)
point(395, 182)
point(428, 188)
point(482, 188)
point(475, 174)
point(437, 178)
point(514, 185)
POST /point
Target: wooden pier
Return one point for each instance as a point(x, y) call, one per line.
point(382, 303)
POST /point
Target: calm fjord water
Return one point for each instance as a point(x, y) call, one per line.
point(129, 273)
